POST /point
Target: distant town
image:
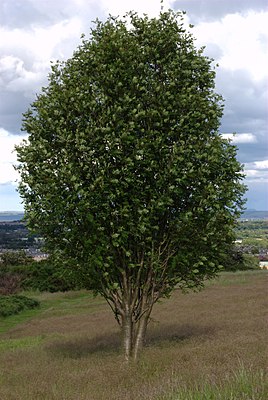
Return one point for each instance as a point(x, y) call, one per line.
point(252, 235)
point(15, 236)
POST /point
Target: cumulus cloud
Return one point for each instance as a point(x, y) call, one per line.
point(236, 41)
point(39, 42)
point(15, 77)
point(8, 156)
point(209, 10)
point(257, 172)
point(29, 13)
point(258, 165)
point(253, 175)
point(150, 7)
point(240, 137)
point(25, 56)
point(242, 40)
point(245, 110)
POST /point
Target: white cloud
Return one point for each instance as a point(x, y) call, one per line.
point(8, 156)
point(15, 77)
point(150, 7)
point(253, 175)
point(257, 165)
point(240, 137)
point(37, 41)
point(256, 171)
point(242, 39)
point(25, 54)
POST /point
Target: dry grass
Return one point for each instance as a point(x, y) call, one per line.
point(199, 345)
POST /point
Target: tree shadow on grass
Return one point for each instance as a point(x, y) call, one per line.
point(177, 333)
point(82, 347)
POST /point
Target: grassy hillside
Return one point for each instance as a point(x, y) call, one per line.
point(201, 346)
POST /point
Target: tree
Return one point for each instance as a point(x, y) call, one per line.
point(124, 172)
point(235, 259)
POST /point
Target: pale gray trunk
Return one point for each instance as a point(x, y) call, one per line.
point(140, 336)
point(127, 331)
point(134, 336)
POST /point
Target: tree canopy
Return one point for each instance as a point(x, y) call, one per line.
point(124, 172)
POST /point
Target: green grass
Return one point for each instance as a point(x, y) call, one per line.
point(12, 344)
point(227, 278)
point(10, 322)
point(53, 304)
point(241, 385)
point(209, 345)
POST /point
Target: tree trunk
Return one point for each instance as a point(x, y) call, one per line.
point(140, 335)
point(127, 331)
point(134, 335)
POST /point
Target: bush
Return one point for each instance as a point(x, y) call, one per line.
point(250, 262)
point(15, 258)
point(236, 260)
point(48, 276)
point(9, 283)
point(10, 305)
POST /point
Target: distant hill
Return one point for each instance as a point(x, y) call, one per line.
point(8, 216)
point(253, 214)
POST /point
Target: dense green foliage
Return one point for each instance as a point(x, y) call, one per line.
point(48, 276)
point(19, 257)
point(235, 260)
point(10, 305)
point(45, 276)
point(124, 172)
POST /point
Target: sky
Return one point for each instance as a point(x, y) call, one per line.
point(34, 33)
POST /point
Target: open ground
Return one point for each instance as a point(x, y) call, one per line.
point(206, 345)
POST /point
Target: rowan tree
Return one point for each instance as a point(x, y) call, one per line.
point(124, 172)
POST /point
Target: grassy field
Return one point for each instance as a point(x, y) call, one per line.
point(200, 346)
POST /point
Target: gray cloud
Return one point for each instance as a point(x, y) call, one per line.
point(209, 10)
point(214, 51)
point(11, 110)
point(28, 13)
point(23, 71)
point(245, 111)
point(19, 13)
point(257, 195)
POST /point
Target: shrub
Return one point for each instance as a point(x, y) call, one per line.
point(9, 283)
point(14, 304)
point(49, 276)
point(15, 258)
point(250, 262)
point(236, 260)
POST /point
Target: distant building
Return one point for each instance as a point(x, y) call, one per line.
point(264, 264)
point(239, 241)
point(40, 257)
